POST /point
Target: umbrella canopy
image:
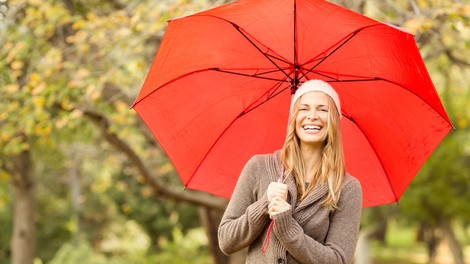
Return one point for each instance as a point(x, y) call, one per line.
point(220, 86)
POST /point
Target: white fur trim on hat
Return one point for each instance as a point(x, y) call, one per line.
point(316, 85)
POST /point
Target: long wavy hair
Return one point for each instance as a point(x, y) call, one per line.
point(330, 169)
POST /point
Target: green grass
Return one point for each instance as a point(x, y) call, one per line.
point(400, 247)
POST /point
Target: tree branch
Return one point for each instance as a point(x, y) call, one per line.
point(112, 93)
point(194, 197)
point(455, 59)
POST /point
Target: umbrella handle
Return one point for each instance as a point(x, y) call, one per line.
point(265, 245)
point(266, 239)
point(281, 179)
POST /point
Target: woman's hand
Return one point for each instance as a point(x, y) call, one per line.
point(277, 205)
point(277, 189)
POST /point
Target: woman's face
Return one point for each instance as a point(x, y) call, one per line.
point(312, 119)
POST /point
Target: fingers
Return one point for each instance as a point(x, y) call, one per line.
point(277, 206)
point(277, 189)
point(277, 195)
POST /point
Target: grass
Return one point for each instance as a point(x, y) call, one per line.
point(401, 247)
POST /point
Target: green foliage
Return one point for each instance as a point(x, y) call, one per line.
point(5, 233)
point(190, 248)
point(132, 198)
point(440, 191)
point(84, 253)
point(185, 249)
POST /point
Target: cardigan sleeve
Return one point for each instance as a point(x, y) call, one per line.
point(342, 234)
point(245, 216)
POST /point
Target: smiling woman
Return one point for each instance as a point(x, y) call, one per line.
point(312, 118)
point(314, 127)
point(316, 207)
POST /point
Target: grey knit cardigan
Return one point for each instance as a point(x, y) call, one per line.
point(308, 233)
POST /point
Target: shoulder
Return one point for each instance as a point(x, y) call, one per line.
point(351, 190)
point(351, 182)
point(263, 166)
point(262, 159)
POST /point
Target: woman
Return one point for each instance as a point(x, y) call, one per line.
point(303, 188)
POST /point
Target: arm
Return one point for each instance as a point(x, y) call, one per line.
point(245, 217)
point(342, 235)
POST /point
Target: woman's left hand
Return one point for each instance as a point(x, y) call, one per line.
point(277, 206)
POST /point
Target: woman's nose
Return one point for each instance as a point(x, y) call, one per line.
point(312, 115)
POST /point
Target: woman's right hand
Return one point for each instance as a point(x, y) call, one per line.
point(277, 189)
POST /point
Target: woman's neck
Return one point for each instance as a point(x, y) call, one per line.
point(311, 156)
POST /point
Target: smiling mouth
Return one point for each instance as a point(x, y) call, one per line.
point(311, 128)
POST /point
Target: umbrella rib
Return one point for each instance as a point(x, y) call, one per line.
point(376, 154)
point(210, 69)
point(338, 46)
point(247, 110)
point(256, 46)
point(321, 74)
point(250, 75)
point(332, 52)
point(268, 56)
point(253, 106)
point(397, 84)
point(352, 120)
point(295, 82)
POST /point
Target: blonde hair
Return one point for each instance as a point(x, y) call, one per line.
point(330, 169)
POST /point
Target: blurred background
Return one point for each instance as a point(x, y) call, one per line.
point(83, 181)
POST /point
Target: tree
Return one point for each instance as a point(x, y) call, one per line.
point(64, 74)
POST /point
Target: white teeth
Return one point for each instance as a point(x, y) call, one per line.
point(311, 127)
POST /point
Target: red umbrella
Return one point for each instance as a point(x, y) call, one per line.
point(220, 86)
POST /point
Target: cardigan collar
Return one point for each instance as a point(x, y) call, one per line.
point(317, 193)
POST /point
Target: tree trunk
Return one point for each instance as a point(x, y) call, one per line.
point(75, 192)
point(362, 254)
point(454, 244)
point(210, 219)
point(432, 240)
point(23, 242)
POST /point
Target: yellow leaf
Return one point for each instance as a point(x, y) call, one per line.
point(126, 208)
point(43, 129)
point(76, 113)
point(39, 88)
point(61, 123)
point(35, 77)
point(92, 93)
point(39, 101)
point(11, 88)
point(5, 136)
point(72, 84)
point(35, 2)
point(4, 176)
point(82, 73)
point(146, 192)
point(17, 65)
point(141, 179)
point(462, 123)
point(8, 45)
point(121, 186)
point(121, 106)
point(78, 24)
point(66, 104)
point(91, 16)
point(70, 39)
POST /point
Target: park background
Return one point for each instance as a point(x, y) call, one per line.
point(83, 181)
